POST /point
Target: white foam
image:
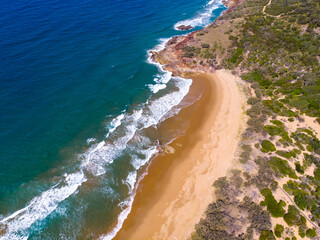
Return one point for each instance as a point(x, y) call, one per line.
point(95, 159)
point(159, 47)
point(105, 153)
point(156, 87)
point(164, 76)
point(158, 108)
point(126, 207)
point(161, 79)
point(162, 44)
point(131, 181)
point(115, 123)
point(202, 18)
point(137, 114)
point(90, 140)
point(138, 162)
point(40, 207)
point(122, 216)
point(152, 114)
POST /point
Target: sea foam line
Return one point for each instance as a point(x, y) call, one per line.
point(133, 183)
point(100, 154)
point(40, 207)
point(94, 161)
point(157, 115)
point(202, 18)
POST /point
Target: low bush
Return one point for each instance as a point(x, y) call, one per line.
point(285, 154)
point(311, 233)
point(205, 45)
point(281, 166)
point(301, 232)
point(190, 52)
point(267, 146)
point(275, 208)
point(300, 199)
point(278, 230)
point(267, 235)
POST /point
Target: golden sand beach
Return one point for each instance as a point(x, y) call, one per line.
point(173, 197)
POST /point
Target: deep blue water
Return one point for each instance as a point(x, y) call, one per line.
point(77, 112)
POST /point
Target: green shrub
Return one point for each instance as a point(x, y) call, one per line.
point(311, 233)
point(285, 154)
point(293, 210)
point(190, 52)
point(281, 166)
point(236, 56)
point(253, 100)
point(246, 148)
point(275, 208)
point(267, 235)
point(205, 45)
point(299, 168)
point(300, 199)
point(278, 129)
point(207, 54)
point(272, 130)
point(301, 232)
point(277, 123)
point(278, 230)
point(255, 124)
point(290, 219)
point(316, 173)
point(255, 110)
point(268, 146)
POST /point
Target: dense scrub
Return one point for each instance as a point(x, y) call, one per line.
point(279, 57)
point(282, 57)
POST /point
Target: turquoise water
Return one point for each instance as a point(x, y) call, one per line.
point(80, 104)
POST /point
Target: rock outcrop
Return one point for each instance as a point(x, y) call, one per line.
point(184, 27)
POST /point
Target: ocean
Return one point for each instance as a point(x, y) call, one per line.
point(81, 103)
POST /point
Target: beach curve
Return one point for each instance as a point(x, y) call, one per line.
point(173, 197)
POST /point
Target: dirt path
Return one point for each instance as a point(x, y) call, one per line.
point(264, 9)
point(294, 204)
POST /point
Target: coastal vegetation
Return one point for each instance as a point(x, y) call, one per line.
point(274, 46)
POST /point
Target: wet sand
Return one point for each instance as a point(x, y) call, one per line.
point(174, 195)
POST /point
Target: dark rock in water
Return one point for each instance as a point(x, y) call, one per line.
point(3, 229)
point(184, 27)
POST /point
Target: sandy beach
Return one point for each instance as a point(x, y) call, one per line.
point(173, 197)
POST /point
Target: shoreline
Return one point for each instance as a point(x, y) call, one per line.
point(173, 197)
